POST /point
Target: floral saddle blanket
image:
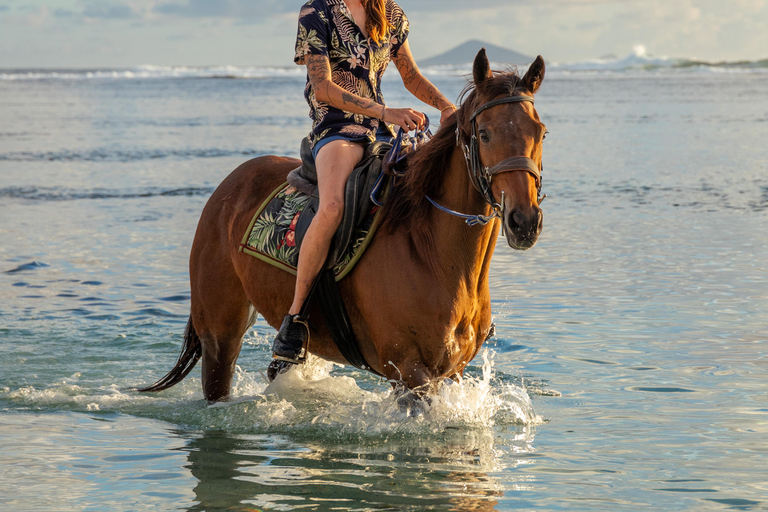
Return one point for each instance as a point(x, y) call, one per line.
point(278, 226)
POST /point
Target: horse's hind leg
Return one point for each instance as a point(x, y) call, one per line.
point(221, 314)
point(221, 347)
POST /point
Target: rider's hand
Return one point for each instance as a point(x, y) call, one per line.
point(446, 113)
point(406, 118)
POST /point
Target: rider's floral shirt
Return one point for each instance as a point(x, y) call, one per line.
point(326, 27)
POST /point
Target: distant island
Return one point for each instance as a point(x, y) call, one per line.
point(466, 52)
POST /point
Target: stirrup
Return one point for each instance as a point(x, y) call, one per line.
point(276, 368)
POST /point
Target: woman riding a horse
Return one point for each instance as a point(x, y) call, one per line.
point(346, 46)
point(418, 300)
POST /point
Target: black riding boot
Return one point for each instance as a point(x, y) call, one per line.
point(288, 345)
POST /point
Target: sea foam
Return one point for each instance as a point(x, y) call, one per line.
point(639, 60)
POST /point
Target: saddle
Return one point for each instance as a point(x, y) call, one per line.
point(359, 196)
point(280, 224)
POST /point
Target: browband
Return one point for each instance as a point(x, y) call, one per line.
point(500, 101)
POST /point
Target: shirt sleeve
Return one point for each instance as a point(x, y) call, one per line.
point(399, 31)
point(313, 33)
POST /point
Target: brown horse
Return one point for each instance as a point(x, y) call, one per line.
point(418, 300)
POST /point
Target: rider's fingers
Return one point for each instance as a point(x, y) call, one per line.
point(420, 118)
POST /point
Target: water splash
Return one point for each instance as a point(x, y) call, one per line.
point(311, 397)
point(337, 402)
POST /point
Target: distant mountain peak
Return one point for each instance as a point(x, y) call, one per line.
point(466, 52)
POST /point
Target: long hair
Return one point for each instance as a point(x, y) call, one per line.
point(376, 22)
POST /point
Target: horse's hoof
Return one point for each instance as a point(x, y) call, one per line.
point(411, 404)
point(277, 367)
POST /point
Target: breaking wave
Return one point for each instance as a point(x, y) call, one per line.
point(641, 60)
point(154, 72)
point(637, 61)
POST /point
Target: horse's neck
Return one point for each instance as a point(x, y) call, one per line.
point(463, 252)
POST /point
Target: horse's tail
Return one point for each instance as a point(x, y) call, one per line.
point(190, 353)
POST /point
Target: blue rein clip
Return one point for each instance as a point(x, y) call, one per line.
point(395, 155)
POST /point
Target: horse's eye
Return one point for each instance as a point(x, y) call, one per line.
point(545, 135)
point(484, 136)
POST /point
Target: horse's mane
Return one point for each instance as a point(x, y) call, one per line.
point(425, 167)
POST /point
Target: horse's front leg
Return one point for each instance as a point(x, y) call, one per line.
point(414, 391)
point(411, 382)
point(412, 375)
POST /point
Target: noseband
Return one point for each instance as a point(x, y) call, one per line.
point(481, 176)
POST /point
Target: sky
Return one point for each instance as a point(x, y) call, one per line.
point(128, 33)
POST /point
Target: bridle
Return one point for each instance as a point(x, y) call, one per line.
point(481, 176)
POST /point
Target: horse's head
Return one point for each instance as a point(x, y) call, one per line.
point(505, 153)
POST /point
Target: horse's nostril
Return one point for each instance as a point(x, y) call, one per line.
point(512, 221)
point(519, 220)
point(525, 225)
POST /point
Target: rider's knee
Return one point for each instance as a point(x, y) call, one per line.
point(331, 211)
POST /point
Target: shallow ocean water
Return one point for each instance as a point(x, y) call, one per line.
point(627, 372)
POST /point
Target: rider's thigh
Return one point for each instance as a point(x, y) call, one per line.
point(334, 163)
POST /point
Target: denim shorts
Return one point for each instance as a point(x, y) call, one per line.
point(382, 135)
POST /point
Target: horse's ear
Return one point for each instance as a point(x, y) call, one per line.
point(482, 68)
point(535, 75)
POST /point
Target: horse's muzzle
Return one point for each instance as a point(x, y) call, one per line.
point(523, 227)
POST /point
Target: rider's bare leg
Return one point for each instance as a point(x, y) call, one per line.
point(334, 163)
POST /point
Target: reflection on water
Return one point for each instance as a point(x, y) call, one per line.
point(447, 473)
point(345, 447)
point(313, 438)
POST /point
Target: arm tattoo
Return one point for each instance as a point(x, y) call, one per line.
point(408, 70)
point(427, 92)
point(434, 99)
point(319, 71)
point(351, 99)
point(317, 68)
point(416, 83)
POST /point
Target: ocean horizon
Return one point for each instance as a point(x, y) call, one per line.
point(636, 62)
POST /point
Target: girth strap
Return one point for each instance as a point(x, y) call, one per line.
point(326, 292)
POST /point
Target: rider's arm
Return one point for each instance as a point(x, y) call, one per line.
point(319, 71)
point(418, 85)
